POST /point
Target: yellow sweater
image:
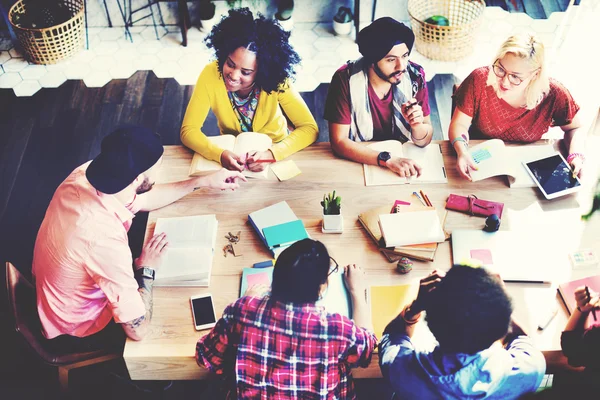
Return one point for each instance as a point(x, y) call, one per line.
point(210, 92)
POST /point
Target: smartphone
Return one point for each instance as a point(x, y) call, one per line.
point(203, 311)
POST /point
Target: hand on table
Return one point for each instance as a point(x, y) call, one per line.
point(232, 161)
point(222, 179)
point(465, 164)
point(354, 278)
point(257, 161)
point(152, 252)
point(404, 167)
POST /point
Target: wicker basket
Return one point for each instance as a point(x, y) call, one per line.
point(446, 43)
point(55, 43)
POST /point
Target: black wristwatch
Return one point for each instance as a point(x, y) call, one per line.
point(383, 157)
point(145, 272)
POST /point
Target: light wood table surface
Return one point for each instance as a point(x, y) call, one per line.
point(168, 350)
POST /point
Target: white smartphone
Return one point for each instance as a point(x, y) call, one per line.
point(203, 311)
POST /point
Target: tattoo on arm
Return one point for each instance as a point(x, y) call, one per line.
point(145, 291)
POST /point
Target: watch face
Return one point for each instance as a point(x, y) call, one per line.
point(147, 273)
point(384, 156)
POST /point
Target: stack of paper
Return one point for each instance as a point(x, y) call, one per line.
point(188, 259)
point(278, 227)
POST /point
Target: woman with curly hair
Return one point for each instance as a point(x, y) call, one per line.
point(248, 89)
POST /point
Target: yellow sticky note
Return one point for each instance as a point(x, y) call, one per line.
point(285, 170)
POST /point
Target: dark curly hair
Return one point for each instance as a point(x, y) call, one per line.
point(275, 56)
point(468, 311)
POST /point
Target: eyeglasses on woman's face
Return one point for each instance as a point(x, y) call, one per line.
point(514, 79)
point(333, 266)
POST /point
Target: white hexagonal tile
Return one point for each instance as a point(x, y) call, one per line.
point(127, 43)
point(5, 44)
point(149, 33)
point(1, 70)
point(27, 88)
point(33, 72)
point(306, 51)
point(15, 65)
point(93, 41)
point(517, 30)
point(328, 58)
point(543, 26)
point(106, 48)
point(149, 47)
point(303, 37)
point(137, 29)
point(186, 78)
point(125, 55)
point(195, 35)
point(97, 79)
point(306, 83)
point(327, 43)
point(495, 13)
point(84, 56)
point(170, 53)
point(4, 56)
point(14, 53)
point(324, 29)
point(53, 79)
point(193, 62)
point(324, 74)
point(61, 66)
point(307, 67)
point(557, 17)
point(122, 70)
point(102, 63)
point(348, 52)
point(145, 62)
point(95, 30)
point(77, 71)
point(111, 34)
point(520, 19)
point(171, 39)
point(500, 27)
point(9, 80)
point(167, 69)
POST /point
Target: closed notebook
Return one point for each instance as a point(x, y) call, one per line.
point(285, 234)
point(407, 228)
point(275, 214)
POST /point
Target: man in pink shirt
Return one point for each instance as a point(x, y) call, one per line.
point(87, 281)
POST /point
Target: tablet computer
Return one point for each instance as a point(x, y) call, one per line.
point(553, 176)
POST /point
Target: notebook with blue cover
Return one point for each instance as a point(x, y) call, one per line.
point(284, 234)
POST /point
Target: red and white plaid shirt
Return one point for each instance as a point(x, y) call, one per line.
point(286, 351)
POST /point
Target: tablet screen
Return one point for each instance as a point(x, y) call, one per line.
point(553, 174)
point(203, 310)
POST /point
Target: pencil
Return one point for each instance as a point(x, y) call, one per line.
point(427, 202)
point(265, 161)
point(420, 198)
point(587, 292)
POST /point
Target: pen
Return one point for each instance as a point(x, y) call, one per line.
point(587, 292)
point(265, 161)
point(420, 198)
point(427, 202)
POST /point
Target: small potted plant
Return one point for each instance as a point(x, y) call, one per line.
point(342, 21)
point(285, 8)
point(332, 213)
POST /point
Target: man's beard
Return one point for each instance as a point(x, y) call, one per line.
point(385, 77)
point(145, 186)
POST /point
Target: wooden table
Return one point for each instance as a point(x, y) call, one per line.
point(168, 350)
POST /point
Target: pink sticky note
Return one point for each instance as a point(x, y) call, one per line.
point(483, 255)
point(258, 279)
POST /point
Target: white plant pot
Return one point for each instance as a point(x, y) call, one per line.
point(342, 29)
point(287, 25)
point(333, 223)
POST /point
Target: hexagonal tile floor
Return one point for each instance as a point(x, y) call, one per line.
point(112, 56)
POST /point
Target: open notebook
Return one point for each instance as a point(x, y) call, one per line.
point(241, 144)
point(429, 158)
point(189, 257)
point(493, 158)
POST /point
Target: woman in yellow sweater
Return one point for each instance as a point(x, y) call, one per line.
point(248, 89)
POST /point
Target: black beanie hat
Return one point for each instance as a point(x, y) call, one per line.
point(124, 154)
point(375, 40)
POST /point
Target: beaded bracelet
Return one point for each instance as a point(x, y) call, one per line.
point(573, 156)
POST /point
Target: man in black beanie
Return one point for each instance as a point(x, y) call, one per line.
point(380, 96)
point(90, 291)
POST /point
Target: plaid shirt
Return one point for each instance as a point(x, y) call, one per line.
point(285, 351)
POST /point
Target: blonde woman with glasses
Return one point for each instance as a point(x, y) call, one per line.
point(514, 100)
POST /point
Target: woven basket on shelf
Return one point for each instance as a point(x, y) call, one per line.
point(55, 43)
point(446, 43)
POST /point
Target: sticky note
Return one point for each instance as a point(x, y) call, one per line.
point(483, 255)
point(258, 279)
point(285, 170)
